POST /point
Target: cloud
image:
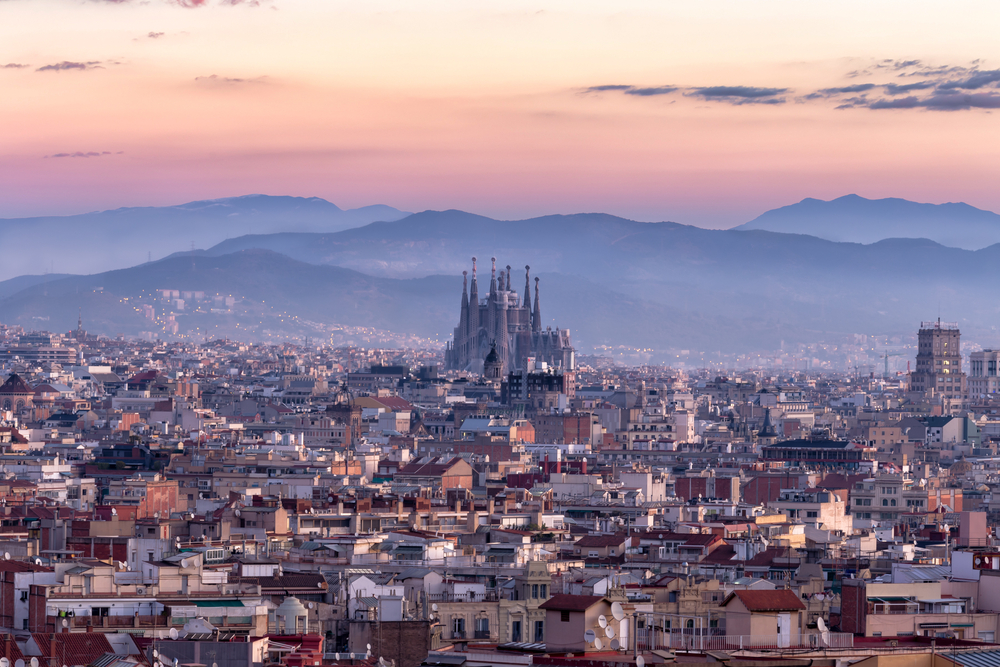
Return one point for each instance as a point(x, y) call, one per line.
point(900, 89)
point(69, 65)
point(973, 82)
point(216, 80)
point(648, 92)
point(729, 94)
point(607, 88)
point(859, 88)
point(739, 95)
point(85, 154)
point(13, 66)
point(155, 35)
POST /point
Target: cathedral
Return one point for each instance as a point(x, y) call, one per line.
point(508, 323)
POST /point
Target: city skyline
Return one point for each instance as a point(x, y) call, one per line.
point(706, 116)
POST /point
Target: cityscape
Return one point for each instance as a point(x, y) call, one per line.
point(499, 334)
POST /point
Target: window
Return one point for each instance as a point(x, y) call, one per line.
point(515, 631)
point(539, 632)
point(458, 627)
point(543, 591)
point(812, 515)
point(534, 590)
point(564, 616)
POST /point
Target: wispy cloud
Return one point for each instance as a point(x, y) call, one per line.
point(155, 35)
point(730, 94)
point(923, 86)
point(740, 95)
point(85, 154)
point(68, 65)
point(216, 80)
point(13, 66)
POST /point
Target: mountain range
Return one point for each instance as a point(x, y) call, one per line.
point(92, 242)
point(858, 220)
point(610, 280)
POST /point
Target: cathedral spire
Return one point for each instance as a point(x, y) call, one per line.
point(501, 283)
point(527, 287)
point(473, 314)
point(493, 277)
point(536, 318)
point(464, 321)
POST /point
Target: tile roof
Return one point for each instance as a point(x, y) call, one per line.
point(73, 648)
point(602, 540)
point(565, 602)
point(781, 599)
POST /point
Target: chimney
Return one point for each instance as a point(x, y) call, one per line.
point(583, 466)
point(558, 460)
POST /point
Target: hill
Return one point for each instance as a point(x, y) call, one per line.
point(859, 220)
point(123, 237)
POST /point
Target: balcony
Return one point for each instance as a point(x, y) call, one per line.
point(482, 634)
point(488, 596)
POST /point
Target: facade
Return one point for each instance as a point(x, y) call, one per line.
point(984, 373)
point(939, 361)
point(507, 322)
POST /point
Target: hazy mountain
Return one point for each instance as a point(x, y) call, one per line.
point(15, 285)
point(859, 220)
point(127, 236)
point(611, 281)
point(279, 295)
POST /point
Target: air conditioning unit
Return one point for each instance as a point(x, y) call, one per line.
point(140, 590)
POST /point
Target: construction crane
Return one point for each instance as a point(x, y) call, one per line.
point(885, 375)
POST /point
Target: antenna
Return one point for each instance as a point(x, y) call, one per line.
point(610, 632)
point(598, 644)
point(173, 633)
point(617, 611)
point(589, 636)
point(602, 621)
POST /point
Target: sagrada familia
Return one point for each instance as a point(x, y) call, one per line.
point(508, 324)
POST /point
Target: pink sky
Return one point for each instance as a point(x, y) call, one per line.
point(484, 106)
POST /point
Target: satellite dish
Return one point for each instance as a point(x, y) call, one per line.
point(4, 662)
point(329, 499)
point(19, 663)
point(312, 605)
point(215, 664)
point(820, 597)
point(34, 662)
point(617, 611)
point(6, 556)
point(602, 621)
point(821, 624)
point(610, 632)
point(598, 644)
point(38, 561)
point(173, 633)
point(589, 636)
point(65, 623)
point(368, 646)
point(238, 512)
point(156, 654)
point(640, 661)
point(434, 607)
point(614, 644)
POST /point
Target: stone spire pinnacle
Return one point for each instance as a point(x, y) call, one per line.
point(473, 314)
point(536, 317)
point(527, 287)
point(464, 318)
point(493, 276)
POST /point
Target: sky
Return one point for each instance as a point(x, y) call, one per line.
point(705, 113)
